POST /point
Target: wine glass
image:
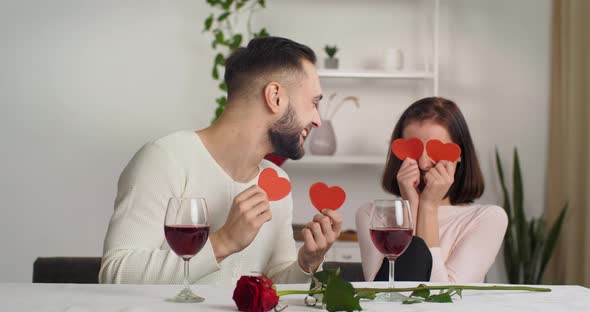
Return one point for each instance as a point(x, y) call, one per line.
point(186, 228)
point(391, 230)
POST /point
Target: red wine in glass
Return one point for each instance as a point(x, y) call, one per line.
point(186, 240)
point(391, 230)
point(390, 241)
point(186, 228)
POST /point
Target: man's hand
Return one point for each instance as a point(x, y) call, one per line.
point(249, 211)
point(318, 237)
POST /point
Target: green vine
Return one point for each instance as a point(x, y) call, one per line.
point(222, 26)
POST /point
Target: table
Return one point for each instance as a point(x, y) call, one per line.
point(143, 298)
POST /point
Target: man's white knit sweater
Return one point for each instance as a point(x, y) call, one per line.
point(179, 165)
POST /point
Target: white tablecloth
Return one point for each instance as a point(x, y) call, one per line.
point(143, 298)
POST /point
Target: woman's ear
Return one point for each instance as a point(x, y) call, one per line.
point(272, 96)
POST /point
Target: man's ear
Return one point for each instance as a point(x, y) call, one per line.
point(272, 96)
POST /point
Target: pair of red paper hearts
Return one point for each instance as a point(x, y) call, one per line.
point(437, 150)
point(322, 196)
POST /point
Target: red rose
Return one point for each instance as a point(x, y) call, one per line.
point(255, 294)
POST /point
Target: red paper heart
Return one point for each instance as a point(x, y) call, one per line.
point(411, 148)
point(276, 188)
point(323, 197)
point(438, 151)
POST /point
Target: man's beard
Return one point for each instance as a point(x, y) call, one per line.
point(284, 136)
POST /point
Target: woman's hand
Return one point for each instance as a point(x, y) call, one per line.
point(438, 180)
point(408, 179)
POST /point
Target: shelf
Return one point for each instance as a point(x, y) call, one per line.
point(335, 73)
point(338, 160)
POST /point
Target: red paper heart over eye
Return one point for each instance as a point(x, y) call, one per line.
point(323, 197)
point(276, 188)
point(411, 148)
point(438, 151)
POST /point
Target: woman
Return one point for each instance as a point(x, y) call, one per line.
point(463, 237)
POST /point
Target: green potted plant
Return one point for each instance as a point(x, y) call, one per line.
point(527, 245)
point(331, 62)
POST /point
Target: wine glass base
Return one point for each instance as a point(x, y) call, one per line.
point(186, 296)
point(390, 297)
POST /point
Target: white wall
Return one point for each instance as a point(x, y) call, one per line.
point(496, 64)
point(83, 84)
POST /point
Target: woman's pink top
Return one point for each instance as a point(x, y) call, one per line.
point(470, 237)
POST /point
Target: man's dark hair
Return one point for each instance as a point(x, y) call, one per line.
point(263, 56)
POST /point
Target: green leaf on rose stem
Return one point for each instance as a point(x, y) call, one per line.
point(340, 295)
point(412, 301)
point(422, 293)
point(262, 3)
point(456, 291)
point(440, 298)
point(322, 276)
point(370, 295)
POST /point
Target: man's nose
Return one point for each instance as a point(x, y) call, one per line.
point(317, 120)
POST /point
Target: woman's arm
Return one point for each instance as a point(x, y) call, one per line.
point(475, 249)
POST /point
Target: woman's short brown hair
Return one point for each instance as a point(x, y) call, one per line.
point(469, 184)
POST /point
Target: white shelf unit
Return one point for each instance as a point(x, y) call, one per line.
point(357, 165)
point(331, 73)
point(431, 75)
point(337, 160)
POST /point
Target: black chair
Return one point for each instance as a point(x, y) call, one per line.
point(75, 270)
point(350, 271)
point(84, 270)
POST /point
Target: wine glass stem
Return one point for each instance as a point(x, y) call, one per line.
point(391, 273)
point(186, 284)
